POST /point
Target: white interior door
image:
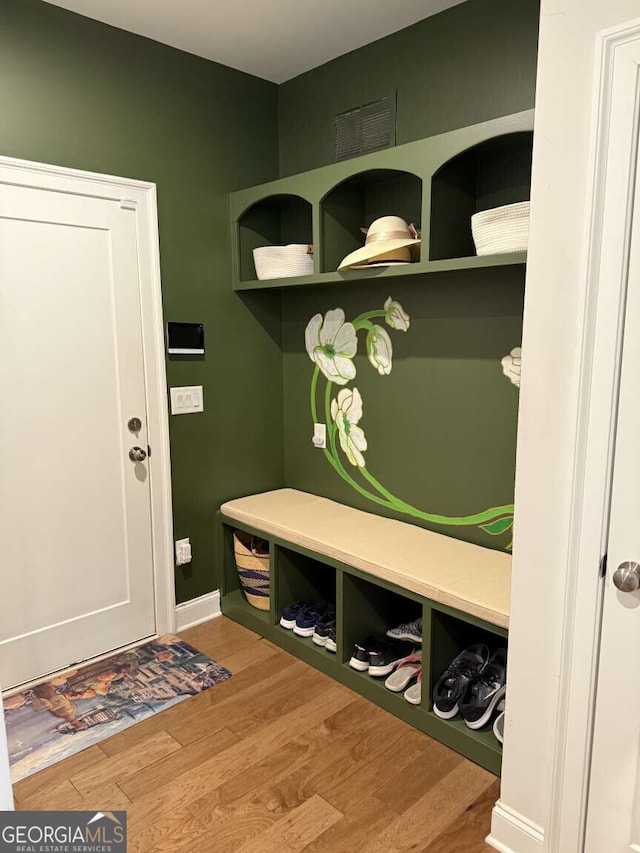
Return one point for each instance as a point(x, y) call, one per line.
point(75, 521)
point(613, 813)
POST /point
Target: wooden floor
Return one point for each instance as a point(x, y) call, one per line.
point(277, 759)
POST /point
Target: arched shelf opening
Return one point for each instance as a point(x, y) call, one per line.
point(275, 220)
point(357, 201)
point(493, 173)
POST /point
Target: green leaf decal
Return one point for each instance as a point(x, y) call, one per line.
point(495, 528)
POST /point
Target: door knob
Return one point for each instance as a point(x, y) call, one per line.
point(627, 576)
point(137, 454)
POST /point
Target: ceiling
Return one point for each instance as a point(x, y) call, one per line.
point(273, 39)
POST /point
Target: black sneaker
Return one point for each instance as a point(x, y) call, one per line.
point(324, 626)
point(485, 692)
point(290, 614)
point(331, 645)
point(454, 682)
point(385, 659)
point(362, 653)
point(308, 618)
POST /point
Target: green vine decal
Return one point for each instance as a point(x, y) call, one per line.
point(332, 343)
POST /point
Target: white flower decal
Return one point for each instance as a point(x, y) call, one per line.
point(512, 365)
point(380, 350)
point(395, 315)
point(346, 411)
point(331, 345)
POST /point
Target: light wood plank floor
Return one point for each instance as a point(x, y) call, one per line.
point(278, 759)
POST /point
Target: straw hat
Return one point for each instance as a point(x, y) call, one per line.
point(389, 241)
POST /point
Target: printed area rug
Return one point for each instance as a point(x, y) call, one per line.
point(60, 717)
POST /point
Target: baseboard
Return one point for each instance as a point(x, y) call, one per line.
point(513, 833)
point(198, 610)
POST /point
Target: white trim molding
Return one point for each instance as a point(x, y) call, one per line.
point(140, 198)
point(613, 152)
point(517, 834)
point(6, 791)
point(198, 610)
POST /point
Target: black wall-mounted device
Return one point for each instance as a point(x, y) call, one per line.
point(185, 338)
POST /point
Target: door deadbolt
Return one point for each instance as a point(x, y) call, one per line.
point(134, 424)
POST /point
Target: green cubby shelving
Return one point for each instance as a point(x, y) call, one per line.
point(436, 183)
point(364, 604)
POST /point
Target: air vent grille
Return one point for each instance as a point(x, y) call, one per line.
point(366, 128)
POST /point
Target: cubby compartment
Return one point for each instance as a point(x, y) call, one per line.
point(357, 201)
point(276, 220)
point(491, 174)
point(231, 585)
point(448, 636)
point(371, 609)
point(301, 578)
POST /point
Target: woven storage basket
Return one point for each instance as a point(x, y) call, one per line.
point(283, 261)
point(502, 229)
point(252, 561)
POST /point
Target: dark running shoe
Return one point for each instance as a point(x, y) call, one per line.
point(385, 659)
point(454, 682)
point(331, 645)
point(410, 631)
point(485, 692)
point(362, 653)
point(324, 626)
point(308, 618)
point(290, 614)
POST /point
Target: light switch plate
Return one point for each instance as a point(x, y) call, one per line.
point(187, 399)
point(319, 436)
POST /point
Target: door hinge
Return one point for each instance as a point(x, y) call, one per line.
point(603, 566)
point(127, 204)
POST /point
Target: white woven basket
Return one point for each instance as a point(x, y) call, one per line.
point(283, 261)
point(502, 229)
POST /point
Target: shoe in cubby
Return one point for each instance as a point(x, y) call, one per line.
point(452, 686)
point(386, 658)
point(485, 692)
point(325, 627)
point(410, 631)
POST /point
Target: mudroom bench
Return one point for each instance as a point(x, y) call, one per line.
point(379, 572)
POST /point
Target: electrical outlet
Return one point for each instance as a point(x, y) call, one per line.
point(319, 436)
point(183, 552)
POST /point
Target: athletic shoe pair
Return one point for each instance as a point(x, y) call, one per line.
point(379, 655)
point(315, 619)
point(473, 685)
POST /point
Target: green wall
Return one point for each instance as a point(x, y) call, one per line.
point(77, 93)
point(441, 428)
point(470, 63)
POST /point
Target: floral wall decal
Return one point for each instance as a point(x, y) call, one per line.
point(512, 365)
point(332, 343)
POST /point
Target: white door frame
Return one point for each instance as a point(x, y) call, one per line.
point(6, 791)
point(140, 195)
point(612, 181)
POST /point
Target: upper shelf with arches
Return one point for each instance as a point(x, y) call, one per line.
point(437, 183)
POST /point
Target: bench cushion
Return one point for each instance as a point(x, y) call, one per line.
point(468, 577)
